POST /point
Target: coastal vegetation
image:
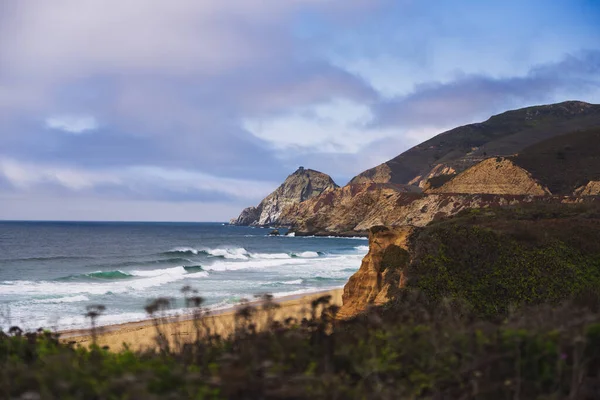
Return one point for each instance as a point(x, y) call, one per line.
point(500, 259)
point(423, 350)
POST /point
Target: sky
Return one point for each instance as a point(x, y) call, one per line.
point(190, 110)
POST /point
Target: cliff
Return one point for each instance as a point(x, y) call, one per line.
point(502, 135)
point(354, 209)
point(300, 186)
point(380, 272)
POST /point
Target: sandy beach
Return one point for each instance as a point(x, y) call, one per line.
point(141, 335)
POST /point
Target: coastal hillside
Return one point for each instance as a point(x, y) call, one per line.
point(502, 135)
point(302, 185)
point(492, 260)
point(562, 165)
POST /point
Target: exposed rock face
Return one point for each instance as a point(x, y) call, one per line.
point(591, 189)
point(494, 176)
point(351, 208)
point(502, 135)
point(380, 271)
point(248, 216)
point(356, 208)
point(302, 185)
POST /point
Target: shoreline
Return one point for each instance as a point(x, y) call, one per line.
point(140, 334)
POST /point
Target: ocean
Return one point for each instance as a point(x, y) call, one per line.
point(50, 271)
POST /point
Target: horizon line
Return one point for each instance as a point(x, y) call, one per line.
point(115, 221)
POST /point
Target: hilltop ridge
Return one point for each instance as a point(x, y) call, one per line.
point(502, 135)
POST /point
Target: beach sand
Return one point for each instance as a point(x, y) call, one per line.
point(141, 335)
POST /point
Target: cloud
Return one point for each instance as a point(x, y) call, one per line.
point(75, 124)
point(472, 97)
point(139, 182)
point(177, 37)
point(333, 127)
point(26, 176)
point(172, 83)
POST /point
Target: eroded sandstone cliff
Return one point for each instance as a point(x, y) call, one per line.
point(354, 209)
point(494, 176)
point(380, 271)
point(302, 185)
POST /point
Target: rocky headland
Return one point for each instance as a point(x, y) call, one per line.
point(300, 186)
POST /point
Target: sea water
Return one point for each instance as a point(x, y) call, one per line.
point(51, 271)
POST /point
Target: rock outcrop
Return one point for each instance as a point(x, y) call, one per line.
point(354, 209)
point(494, 176)
point(591, 189)
point(381, 270)
point(300, 186)
point(247, 217)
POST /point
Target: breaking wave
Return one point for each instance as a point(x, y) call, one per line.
point(66, 299)
point(240, 253)
point(137, 280)
point(307, 254)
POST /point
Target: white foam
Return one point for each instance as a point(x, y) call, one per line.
point(295, 282)
point(270, 256)
point(238, 253)
point(291, 234)
point(319, 265)
point(159, 272)
point(146, 279)
point(330, 237)
point(362, 248)
point(307, 254)
point(250, 264)
point(184, 250)
point(68, 299)
point(306, 291)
